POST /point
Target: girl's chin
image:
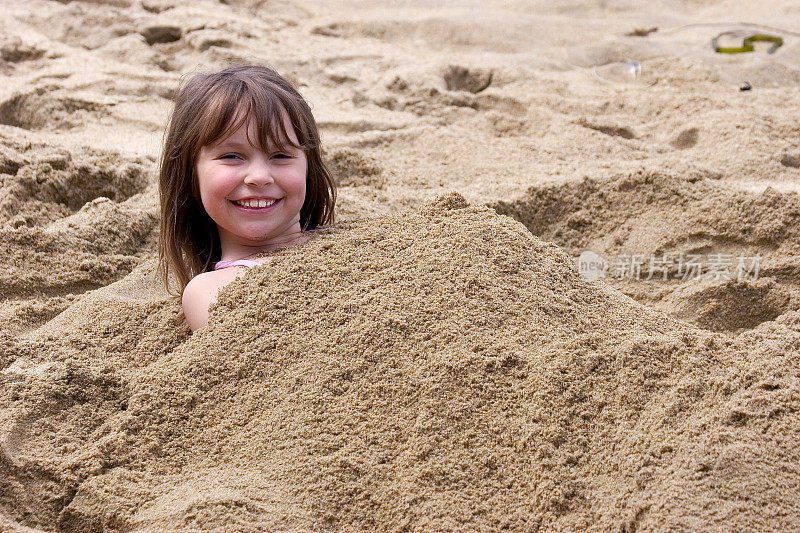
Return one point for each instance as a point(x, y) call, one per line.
point(266, 239)
point(260, 235)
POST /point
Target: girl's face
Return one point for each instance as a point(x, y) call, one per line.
point(254, 196)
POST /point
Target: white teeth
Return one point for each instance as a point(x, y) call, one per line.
point(254, 203)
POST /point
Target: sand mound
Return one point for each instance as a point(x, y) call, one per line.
point(435, 369)
point(68, 224)
point(655, 214)
point(53, 185)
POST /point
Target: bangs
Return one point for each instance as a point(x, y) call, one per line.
point(232, 105)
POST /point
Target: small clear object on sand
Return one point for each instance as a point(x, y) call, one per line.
point(621, 71)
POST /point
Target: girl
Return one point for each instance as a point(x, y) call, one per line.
point(241, 174)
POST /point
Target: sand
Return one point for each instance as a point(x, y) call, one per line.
point(437, 362)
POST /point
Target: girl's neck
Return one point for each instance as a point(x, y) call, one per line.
point(236, 251)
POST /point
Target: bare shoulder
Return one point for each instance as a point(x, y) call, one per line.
point(201, 292)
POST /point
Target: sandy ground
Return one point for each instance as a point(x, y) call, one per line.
point(434, 365)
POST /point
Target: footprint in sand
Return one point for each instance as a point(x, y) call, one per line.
point(202, 40)
point(791, 159)
point(686, 139)
point(458, 78)
point(161, 34)
point(609, 129)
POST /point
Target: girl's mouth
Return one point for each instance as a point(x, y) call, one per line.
point(251, 205)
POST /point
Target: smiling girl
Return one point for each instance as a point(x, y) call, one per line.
point(241, 175)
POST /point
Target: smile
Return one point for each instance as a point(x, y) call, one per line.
point(256, 203)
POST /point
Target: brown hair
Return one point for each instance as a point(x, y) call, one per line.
point(210, 107)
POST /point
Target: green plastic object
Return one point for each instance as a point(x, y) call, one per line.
point(747, 44)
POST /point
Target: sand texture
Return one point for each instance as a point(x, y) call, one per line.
point(435, 362)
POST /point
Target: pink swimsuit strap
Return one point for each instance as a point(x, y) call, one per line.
point(239, 262)
point(250, 264)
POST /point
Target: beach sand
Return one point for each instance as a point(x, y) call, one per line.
point(437, 362)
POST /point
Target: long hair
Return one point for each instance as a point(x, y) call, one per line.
point(210, 107)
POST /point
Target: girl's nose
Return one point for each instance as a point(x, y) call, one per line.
point(258, 174)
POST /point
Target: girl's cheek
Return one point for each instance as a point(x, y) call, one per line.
point(227, 180)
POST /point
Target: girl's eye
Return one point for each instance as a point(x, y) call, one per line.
point(283, 156)
point(228, 156)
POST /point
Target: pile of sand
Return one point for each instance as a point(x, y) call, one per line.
point(436, 369)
